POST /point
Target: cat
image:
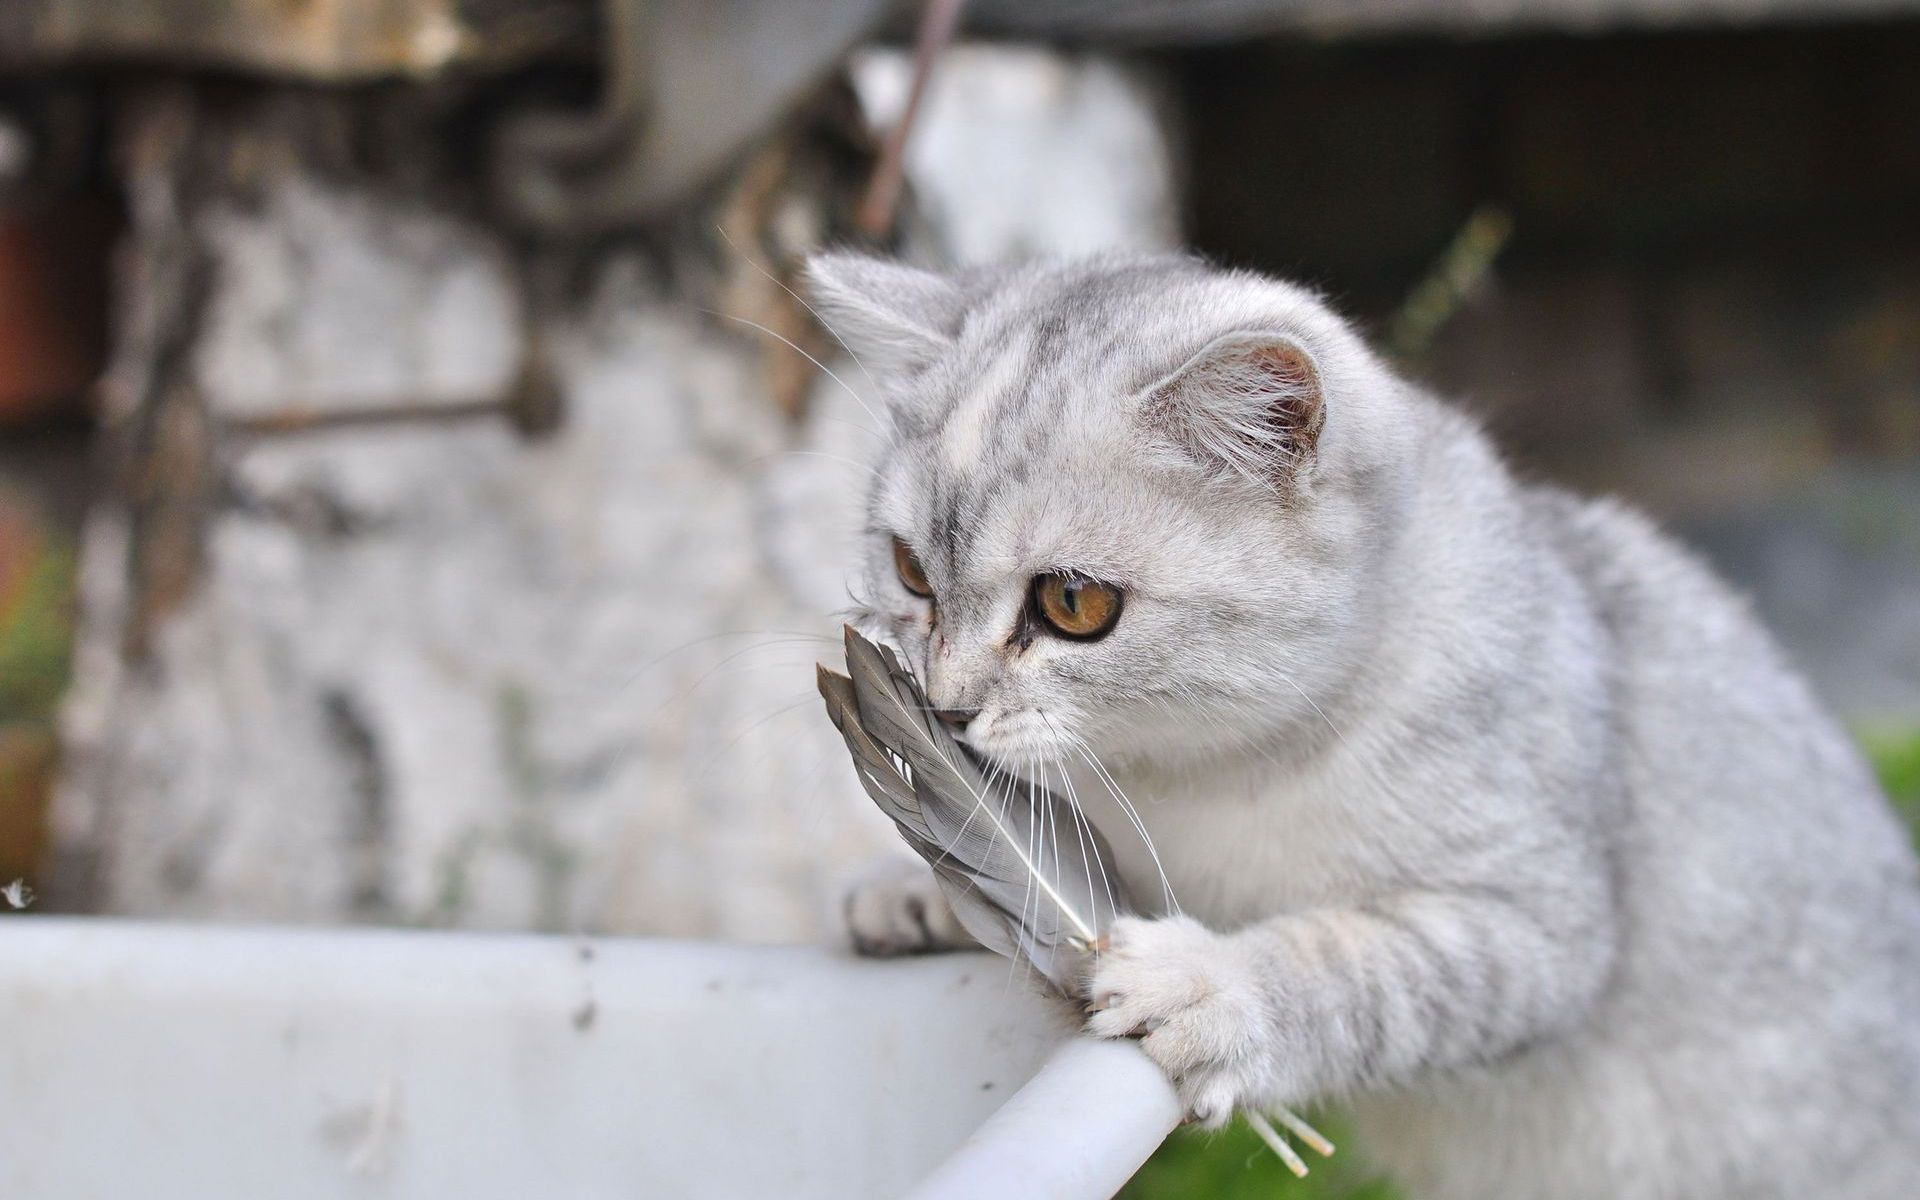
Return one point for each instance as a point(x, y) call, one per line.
point(1481, 809)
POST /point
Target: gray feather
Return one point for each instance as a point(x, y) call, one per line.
point(1022, 869)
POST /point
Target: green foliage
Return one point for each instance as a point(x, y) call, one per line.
point(1896, 756)
point(36, 637)
point(1235, 1164)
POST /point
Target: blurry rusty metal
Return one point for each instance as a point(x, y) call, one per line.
point(28, 755)
point(323, 40)
point(533, 406)
point(53, 306)
point(759, 296)
point(1194, 22)
point(29, 684)
point(687, 84)
point(791, 194)
point(937, 23)
point(363, 416)
point(171, 485)
point(157, 428)
point(49, 137)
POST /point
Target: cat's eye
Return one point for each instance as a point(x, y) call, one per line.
point(1074, 606)
point(912, 576)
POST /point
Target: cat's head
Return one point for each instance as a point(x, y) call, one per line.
point(1125, 504)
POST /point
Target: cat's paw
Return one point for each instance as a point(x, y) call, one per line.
point(1193, 1000)
point(897, 908)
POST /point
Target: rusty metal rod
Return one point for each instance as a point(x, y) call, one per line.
point(882, 199)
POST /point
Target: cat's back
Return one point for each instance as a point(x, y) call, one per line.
point(1768, 965)
point(1720, 730)
point(1770, 897)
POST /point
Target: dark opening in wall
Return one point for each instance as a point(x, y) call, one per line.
point(1709, 301)
point(1710, 230)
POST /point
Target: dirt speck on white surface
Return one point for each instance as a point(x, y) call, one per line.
point(367, 1133)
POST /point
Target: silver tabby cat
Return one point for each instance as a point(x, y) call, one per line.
point(1487, 810)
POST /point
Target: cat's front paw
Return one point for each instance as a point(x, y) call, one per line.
point(897, 908)
point(1194, 1002)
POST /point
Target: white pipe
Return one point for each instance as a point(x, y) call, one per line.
point(1077, 1131)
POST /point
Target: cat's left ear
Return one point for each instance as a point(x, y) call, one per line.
point(1249, 404)
point(893, 317)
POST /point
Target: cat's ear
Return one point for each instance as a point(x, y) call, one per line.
point(1248, 405)
point(894, 318)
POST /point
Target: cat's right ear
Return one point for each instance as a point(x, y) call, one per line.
point(893, 318)
point(1248, 405)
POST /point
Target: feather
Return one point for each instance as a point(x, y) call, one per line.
point(1023, 870)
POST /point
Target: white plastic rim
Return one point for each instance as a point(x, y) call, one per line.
point(167, 1060)
point(1077, 1131)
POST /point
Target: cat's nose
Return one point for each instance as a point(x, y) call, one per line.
point(956, 718)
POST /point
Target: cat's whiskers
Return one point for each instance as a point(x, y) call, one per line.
point(768, 639)
point(1033, 823)
point(797, 348)
point(811, 310)
point(1053, 835)
point(1288, 680)
point(1085, 751)
point(838, 458)
point(714, 758)
point(681, 694)
point(683, 647)
point(1215, 701)
point(1030, 889)
point(989, 784)
point(1083, 825)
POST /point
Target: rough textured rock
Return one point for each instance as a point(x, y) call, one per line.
point(358, 645)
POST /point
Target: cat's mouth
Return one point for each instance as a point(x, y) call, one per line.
point(1022, 740)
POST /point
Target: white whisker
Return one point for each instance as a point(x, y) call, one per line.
point(802, 352)
point(1126, 806)
point(839, 458)
point(814, 312)
point(1288, 680)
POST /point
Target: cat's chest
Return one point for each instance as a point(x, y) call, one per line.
point(1235, 850)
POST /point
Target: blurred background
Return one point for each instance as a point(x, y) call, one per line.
point(421, 495)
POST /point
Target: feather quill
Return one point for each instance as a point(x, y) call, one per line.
point(1023, 870)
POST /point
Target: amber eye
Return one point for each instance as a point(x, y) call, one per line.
point(1076, 607)
point(911, 576)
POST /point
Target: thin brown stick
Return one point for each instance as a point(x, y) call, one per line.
point(877, 207)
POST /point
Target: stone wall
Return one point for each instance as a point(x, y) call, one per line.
point(451, 578)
